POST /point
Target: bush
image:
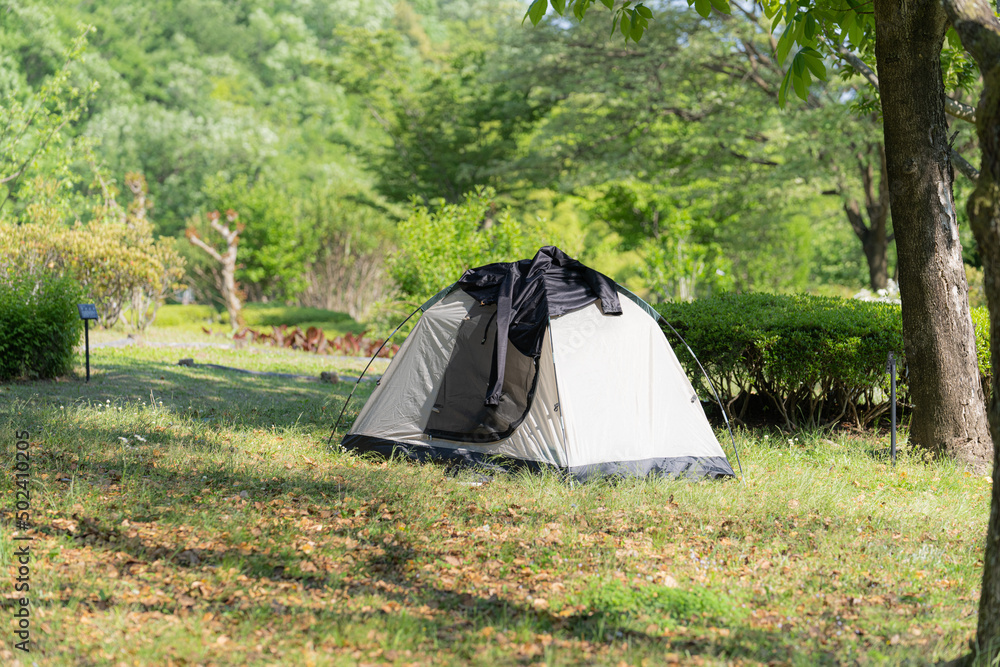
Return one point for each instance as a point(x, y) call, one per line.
point(124, 271)
point(39, 325)
point(437, 246)
point(816, 360)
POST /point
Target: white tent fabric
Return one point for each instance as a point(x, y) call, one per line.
point(623, 366)
point(610, 398)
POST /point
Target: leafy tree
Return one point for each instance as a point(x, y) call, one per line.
point(37, 150)
point(437, 246)
point(352, 234)
point(451, 127)
point(272, 248)
point(681, 258)
point(949, 415)
point(223, 271)
point(179, 151)
point(732, 153)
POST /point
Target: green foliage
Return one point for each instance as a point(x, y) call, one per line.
point(455, 125)
point(180, 150)
point(631, 19)
point(121, 267)
point(295, 115)
point(981, 325)
point(437, 246)
point(37, 150)
point(272, 253)
point(679, 252)
point(39, 324)
point(651, 602)
point(174, 315)
point(262, 314)
point(350, 234)
point(748, 176)
point(817, 360)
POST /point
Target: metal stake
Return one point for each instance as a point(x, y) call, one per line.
point(87, 312)
point(86, 339)
point(892, 407)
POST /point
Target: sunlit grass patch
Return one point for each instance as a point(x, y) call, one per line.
point(198, 516)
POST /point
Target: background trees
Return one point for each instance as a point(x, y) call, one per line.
point(260, 107)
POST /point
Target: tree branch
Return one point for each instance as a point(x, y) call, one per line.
point(193, 238)
point(963, 165)
point(857, 63)
point(953, 107)
point(754, 160)
point(853, 211)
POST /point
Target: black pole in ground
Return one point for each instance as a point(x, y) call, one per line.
point(892, 406)
point(87, 312)
point(86, 340)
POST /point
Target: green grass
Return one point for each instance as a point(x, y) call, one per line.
point(176, 323)
point(188, 515)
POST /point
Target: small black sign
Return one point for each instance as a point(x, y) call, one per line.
point(88, 311)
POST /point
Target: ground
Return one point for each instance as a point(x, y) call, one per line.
point(193, 516)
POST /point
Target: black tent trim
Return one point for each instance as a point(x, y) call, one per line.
point(693, 467)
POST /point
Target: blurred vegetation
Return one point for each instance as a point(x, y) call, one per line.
point(259, 316)
point(346, 135)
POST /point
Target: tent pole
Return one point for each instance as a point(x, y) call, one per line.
point(360, 377)
point(718, 400)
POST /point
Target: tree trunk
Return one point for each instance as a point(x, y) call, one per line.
point(949, 415)
point(874, 241)
point(225, 273)
point(877, 253)
point(979, 30)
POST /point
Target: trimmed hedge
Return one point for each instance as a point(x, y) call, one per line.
point(816, 360)
point(39, 325)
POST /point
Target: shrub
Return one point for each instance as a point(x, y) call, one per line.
point(39, 324)
point(817, 360)
point(114, 257)
point(437, 246)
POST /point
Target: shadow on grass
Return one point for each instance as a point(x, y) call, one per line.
point(381, 569)
point(206, 397)
point(457, 618)
point(384, 571)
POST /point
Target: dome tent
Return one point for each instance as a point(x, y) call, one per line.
point(540, 363)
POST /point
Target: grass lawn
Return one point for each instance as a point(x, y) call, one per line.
point(189, 323)
point(192, 516)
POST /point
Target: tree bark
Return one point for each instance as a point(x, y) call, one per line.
point(979, 30)
point(949, 415)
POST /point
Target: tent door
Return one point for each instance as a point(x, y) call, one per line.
point(458, 412)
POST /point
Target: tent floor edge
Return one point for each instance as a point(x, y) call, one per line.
point(690, 467)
